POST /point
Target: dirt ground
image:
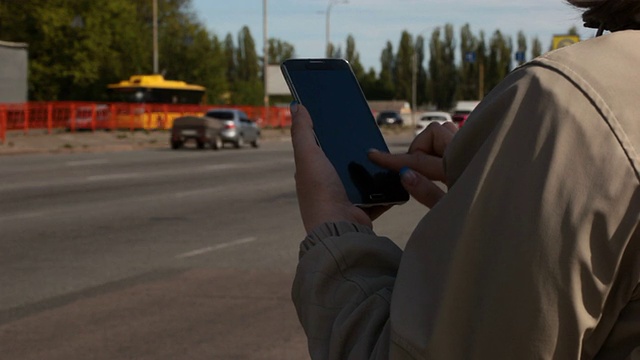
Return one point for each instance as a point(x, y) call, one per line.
point(61, 141)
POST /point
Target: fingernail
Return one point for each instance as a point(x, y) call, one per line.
point(372, 150)
point(408, 176)
point(293, 107)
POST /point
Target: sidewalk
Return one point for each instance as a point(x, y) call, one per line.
point(60, 141)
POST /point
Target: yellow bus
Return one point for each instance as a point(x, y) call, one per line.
point(152, 102)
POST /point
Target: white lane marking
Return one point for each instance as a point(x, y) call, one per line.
point(217, 247)
point(87, 162)
point(198, 192)
point(21, 216)
point(163, 173)
point(221, 167)
point(113, 177)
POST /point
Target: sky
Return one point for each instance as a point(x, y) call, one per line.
point(373, 23)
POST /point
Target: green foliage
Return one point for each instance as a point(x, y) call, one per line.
point(78, 47)
point(280, 51)
point(499, 62)
point(469, 71)
point(442, 69)
point(403, 69)
point(421, 75)
point(536, 48)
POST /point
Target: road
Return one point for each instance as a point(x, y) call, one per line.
point(155, 254)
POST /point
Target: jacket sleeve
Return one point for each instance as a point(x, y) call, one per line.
point(342, 291)
point(533, 252)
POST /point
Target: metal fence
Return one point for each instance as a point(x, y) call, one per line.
point(74, 116)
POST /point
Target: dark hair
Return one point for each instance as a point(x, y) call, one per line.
point(612, 15)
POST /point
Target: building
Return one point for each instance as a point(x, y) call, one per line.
point(14, 61)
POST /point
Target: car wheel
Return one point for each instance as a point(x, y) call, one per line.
point(200, 144)
point(239, 143)
point(217, 143)
point(175, 145)
point(254, 143)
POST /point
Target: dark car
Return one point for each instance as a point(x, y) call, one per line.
point(389, 118)
point(199, 130)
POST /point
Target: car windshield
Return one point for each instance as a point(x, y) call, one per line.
point(224, 115)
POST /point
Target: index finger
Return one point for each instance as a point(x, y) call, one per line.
point(434, 139)
point(428, 165)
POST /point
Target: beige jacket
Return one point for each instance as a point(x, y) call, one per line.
point(534, 253)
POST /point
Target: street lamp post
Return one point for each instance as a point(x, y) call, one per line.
point(328, 24)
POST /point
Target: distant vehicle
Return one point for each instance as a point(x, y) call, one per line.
point(462, 111)
point(90, 118)
point(145, 96)
point(429, 117)
point(389, 117)
point(196, 129)
point(237, 128)
point(216, 128)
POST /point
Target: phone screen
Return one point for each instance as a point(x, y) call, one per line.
point(345, 128)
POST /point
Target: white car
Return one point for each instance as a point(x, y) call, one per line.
point(432, 116)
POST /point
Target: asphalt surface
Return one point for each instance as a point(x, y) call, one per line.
point(116, 247)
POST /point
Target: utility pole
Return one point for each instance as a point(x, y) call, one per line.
point(481, 80)
point(414, 86)
point(155, 37)
point(265, 60)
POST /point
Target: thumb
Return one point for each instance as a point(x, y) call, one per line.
point(420, 188)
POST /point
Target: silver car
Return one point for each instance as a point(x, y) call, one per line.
point(237, 128)
point(431, 116)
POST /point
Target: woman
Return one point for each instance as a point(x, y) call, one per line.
point(534, 251)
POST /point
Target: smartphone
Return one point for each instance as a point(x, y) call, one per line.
point(344, 127)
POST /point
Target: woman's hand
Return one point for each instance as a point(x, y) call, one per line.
point(321, 195)
point(422, 164)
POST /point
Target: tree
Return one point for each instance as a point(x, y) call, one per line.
point(247, 89)
point(468, 89)
point(403, 69)
point(76, 47)
point(536, 48)
point(482, 61)
point(353, 57)
point(229, 53)
point(522, 46)
point(573, 31)
point(384, 88)
point(499, 64)
point(421, 76)
point(442, 69)
point(279, 51)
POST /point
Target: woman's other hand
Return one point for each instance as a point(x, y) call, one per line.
point(422, 164)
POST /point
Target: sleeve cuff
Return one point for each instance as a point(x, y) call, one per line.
point(331, 229)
